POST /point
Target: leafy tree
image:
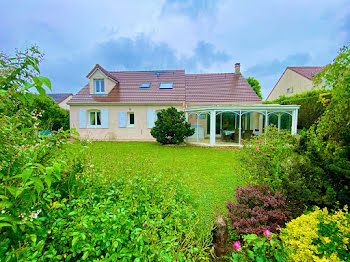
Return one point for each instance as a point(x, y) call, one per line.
point(328, 141)
point(171, 127)
point(255, 85)
point(52, 117)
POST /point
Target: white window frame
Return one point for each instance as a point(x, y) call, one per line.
point(89, 118)
point(98, 81)
point(128, 119)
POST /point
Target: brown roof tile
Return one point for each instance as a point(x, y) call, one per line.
point(189, 88)
point(307, 71)
point(219, 88)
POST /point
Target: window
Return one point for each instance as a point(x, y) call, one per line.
point(95, 118)
point(145, 85)
point(99, 86)
point(131, 119)
point(290, 90)
point(166, 85)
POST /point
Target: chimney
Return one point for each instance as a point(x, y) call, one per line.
point(237, 69)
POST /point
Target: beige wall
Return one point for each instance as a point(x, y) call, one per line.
point(109, 84)
point(139, 132)
point(63, 103)
point(290, 79)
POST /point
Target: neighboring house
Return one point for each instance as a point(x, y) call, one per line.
point(61, 99)
point(295, 80)
point(123, 105)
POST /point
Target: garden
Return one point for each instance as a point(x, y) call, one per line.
point(280, 198)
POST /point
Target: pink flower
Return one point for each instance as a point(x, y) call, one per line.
point(237, 245)
point(267, 232)
point(257, 149)
point(278, 227)
point(269, 237)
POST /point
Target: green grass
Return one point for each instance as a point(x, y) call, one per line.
point(209, 174)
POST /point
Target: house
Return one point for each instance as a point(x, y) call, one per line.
point(123, 105)
point(61, 99)
point(295, 80)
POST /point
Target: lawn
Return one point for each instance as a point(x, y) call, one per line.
point(209, 174)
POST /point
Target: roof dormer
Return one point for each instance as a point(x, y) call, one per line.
point(101, 81)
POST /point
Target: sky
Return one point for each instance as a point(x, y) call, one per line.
point(198, 36)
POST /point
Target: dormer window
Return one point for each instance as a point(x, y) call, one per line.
point(166, 85)
point(99, 85)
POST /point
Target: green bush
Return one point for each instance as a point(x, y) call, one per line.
point(171, 127)
point(138, 219)
point(255, 248)
point(272, 159)
point(318, 236)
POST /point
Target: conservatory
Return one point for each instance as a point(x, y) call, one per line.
point(227, 125)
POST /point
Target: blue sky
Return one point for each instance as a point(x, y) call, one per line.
point(199, 36)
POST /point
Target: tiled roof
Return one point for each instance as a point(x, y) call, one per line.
point(219, 88)
point(307, 71)
point(59, 97)
point(108, 74)
point(128, 90)
point(189, 88)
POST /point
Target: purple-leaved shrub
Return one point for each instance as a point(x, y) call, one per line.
point(257, 209)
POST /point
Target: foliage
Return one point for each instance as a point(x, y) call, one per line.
point(287, 170)
point(171, 127)
point(257, 209)
point(52, 116)
point(266, 248)
point(318, 236)
point(311, 107)
point(255, 85)
point(139, 219)
point(327, 143)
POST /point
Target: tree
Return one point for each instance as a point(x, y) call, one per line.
point(328, 140)
point(171, 127)
point(255, 85)
point(52, 117)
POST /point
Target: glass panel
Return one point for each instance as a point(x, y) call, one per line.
point(98, 114)
point(145, 85)
point(92, 118)
point(102, 86)
point(97, 86)
point(166, 85)
point(132, 119)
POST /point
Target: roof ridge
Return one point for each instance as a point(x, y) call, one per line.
point(146, 71)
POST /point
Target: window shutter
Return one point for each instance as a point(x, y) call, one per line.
point(122, 119)
point(82, 118)
point(151, 118)
point(104, 118)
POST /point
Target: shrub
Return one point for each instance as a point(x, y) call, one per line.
point(257, 209)
point(171, 127)
point(318, 236)
point(142, 219)
point(255, 248)
point(274, 158)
